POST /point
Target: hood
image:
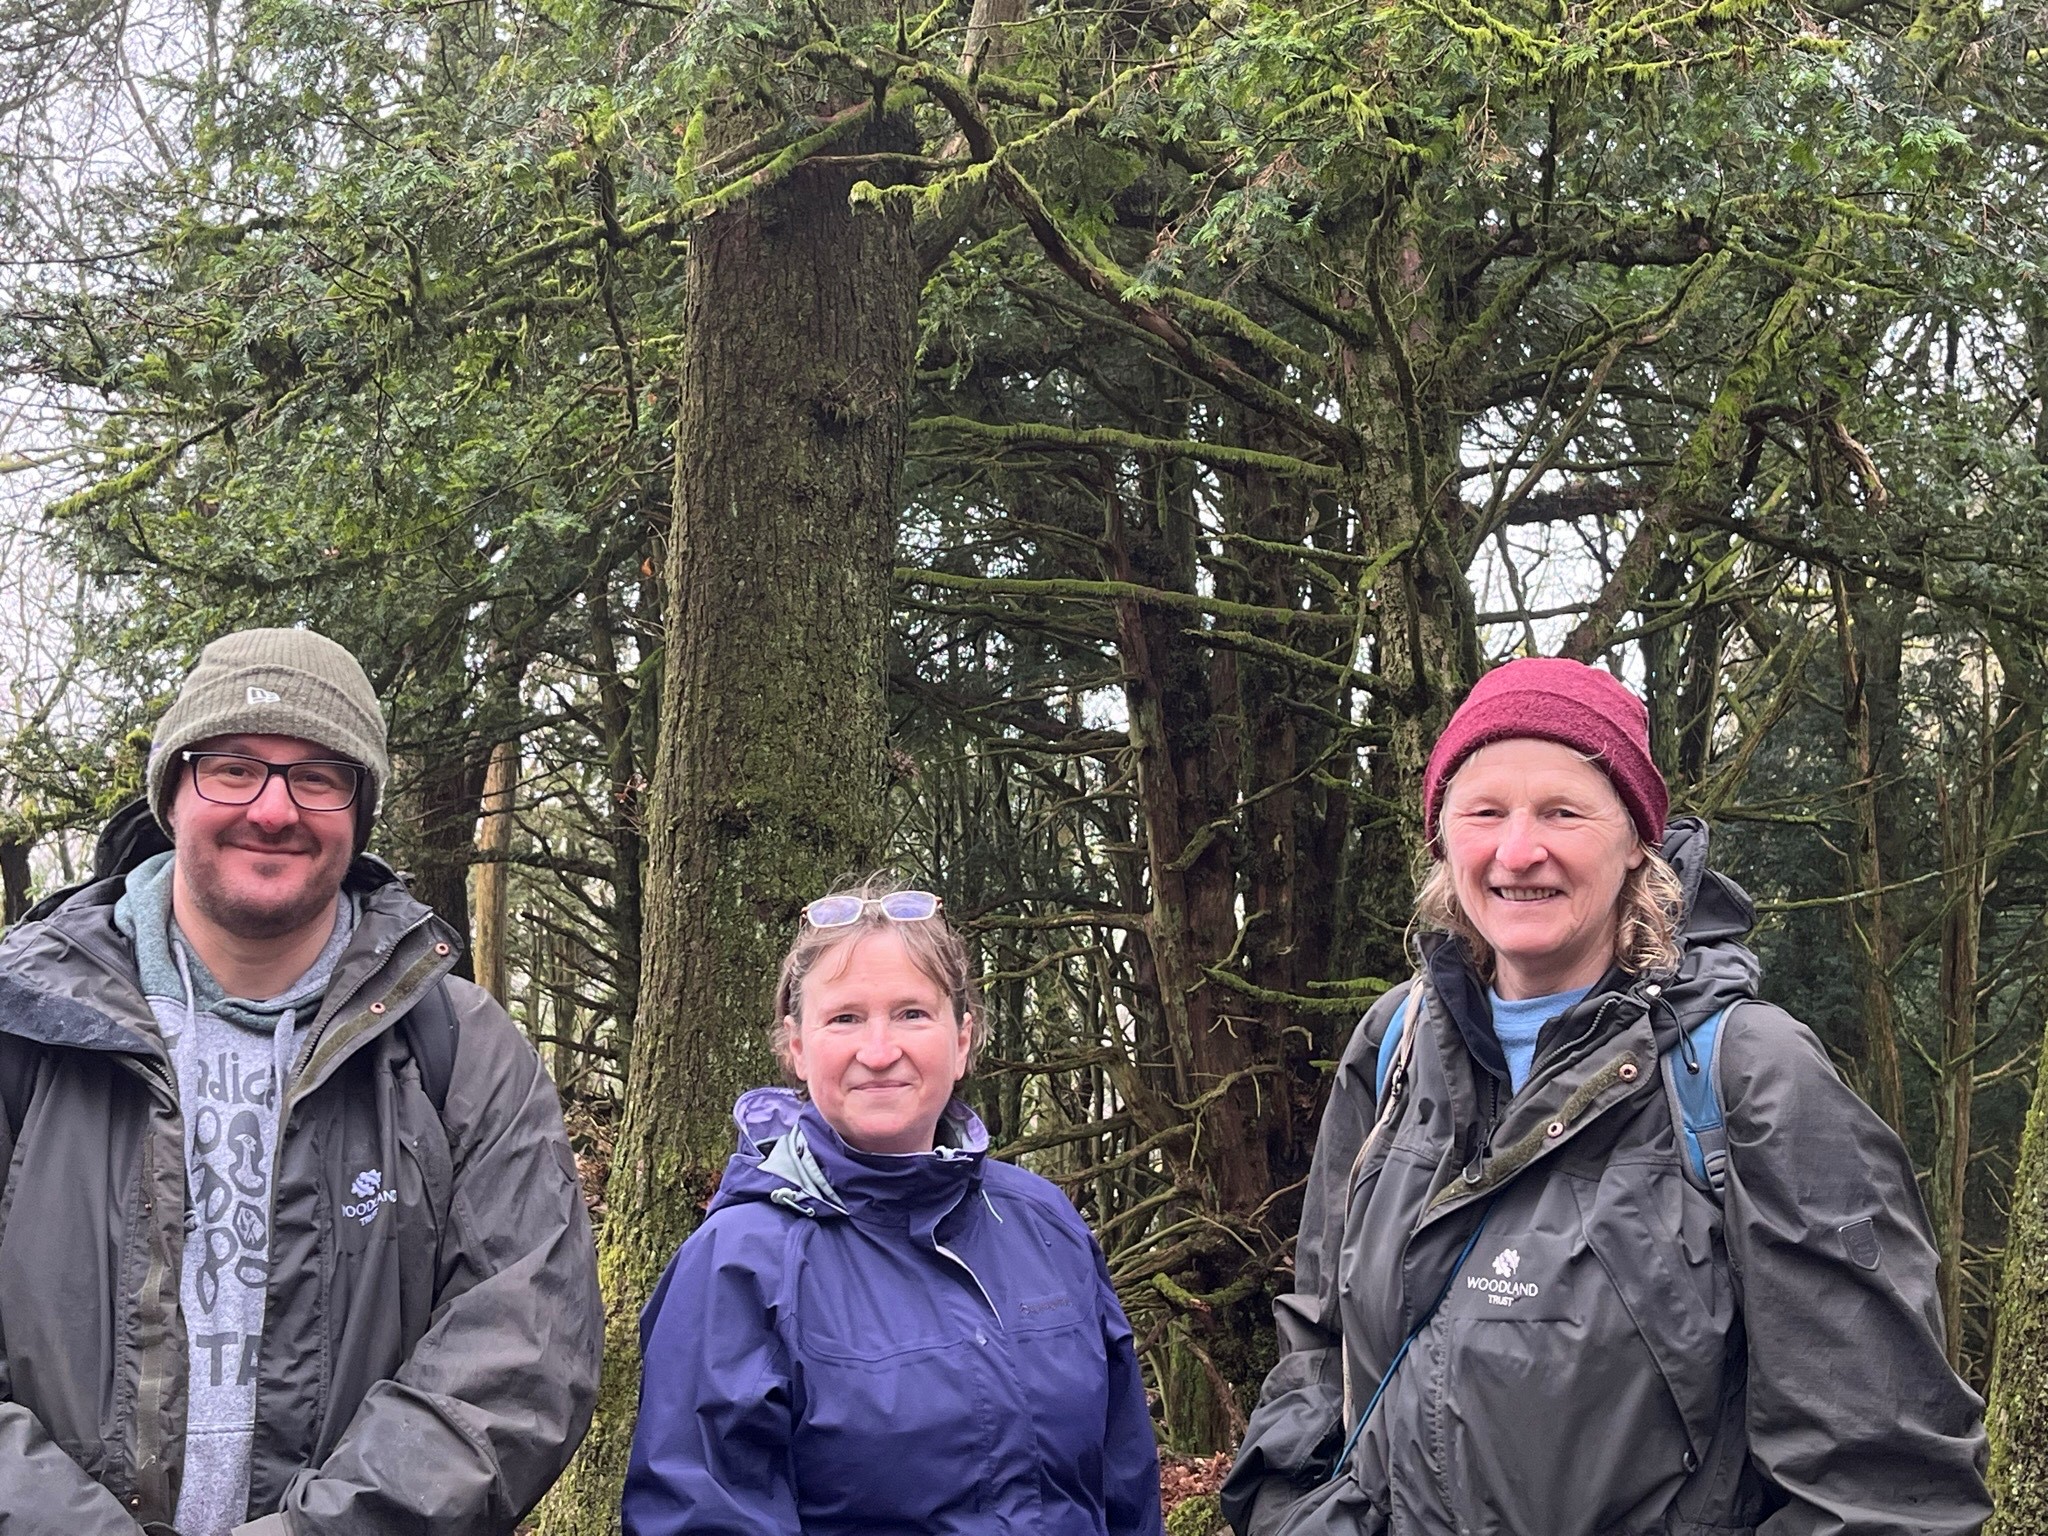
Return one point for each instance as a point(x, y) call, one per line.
point(790, 1156)
point(1716, 968)
point(1717, 914)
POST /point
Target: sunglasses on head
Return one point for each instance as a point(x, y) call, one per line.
point(897, 906)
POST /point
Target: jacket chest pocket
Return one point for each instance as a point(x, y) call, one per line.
point(1373, 1262)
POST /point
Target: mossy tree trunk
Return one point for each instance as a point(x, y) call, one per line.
point(767, 780)
point(2017, 1408)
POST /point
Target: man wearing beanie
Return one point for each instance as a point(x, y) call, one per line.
point(291, 1240)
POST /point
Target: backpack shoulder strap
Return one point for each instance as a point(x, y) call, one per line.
point(1396, 1047)
point(1692, 1084)
point(431, 1032)
point(1390, 1045)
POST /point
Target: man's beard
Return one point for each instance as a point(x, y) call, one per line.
point(270, 918)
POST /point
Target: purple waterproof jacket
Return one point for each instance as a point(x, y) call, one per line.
point(923, 1345)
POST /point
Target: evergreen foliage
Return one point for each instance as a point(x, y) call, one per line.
point(1278, 367)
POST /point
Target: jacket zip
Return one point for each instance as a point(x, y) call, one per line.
point(966, 1268)
point(151, 1472)
point(1454, 1198)
point(1474, 1177)
point(380, 954)
point(969, 1271)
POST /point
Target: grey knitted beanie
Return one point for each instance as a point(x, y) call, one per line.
point(274, 682)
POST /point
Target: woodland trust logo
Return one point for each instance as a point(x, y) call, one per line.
point(1502, 1289)
point(371, 1196)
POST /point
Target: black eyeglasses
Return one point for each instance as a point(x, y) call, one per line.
point(897, 906)
point(229, 778)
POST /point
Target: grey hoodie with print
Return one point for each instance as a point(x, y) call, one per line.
point(428, 1371)
point(1616, 1354)
point(228, 1056)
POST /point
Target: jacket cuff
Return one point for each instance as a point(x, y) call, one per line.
point(269, 1525)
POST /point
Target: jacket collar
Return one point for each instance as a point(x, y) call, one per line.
point(789, 1155)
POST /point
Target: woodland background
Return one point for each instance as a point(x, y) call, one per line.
point(1076, 453)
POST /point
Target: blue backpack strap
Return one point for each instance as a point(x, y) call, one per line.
point(1692, 1078)
point(1390, 1042)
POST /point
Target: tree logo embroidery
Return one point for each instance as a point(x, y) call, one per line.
point(1501, 1288)
point(371, 1196)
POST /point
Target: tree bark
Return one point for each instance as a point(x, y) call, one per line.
point(1873, 930)
point(14, 880)
point(492, 888)
point(800, 316)
point(435, 835)
point(2016, 1409)
point(1963, 889)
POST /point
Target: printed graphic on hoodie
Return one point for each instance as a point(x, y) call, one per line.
point(230, 1131)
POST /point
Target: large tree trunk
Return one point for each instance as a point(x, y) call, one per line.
point(433, 829)
point(1184, 741)
point(767, 783)
point(2017, 1408)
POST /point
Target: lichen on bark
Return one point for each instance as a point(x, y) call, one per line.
point(2017, 1407)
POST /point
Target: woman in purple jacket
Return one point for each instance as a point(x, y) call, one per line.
point(877, 1328)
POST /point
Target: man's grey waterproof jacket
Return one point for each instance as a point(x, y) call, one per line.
point(1616, 1354)
point(428, 1370)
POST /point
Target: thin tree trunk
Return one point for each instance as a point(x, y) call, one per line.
point(1962, 862)
point(492, 885)
point(14, 879)
point(799, 314)
point(616, 699)
point(1873, 930)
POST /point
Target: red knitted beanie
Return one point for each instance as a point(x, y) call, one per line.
point(1555, 700)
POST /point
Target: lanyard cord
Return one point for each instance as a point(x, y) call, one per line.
point(1402, 1353)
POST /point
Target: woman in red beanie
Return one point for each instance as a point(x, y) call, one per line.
point(1596, 1243)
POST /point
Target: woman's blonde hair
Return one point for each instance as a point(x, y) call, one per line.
point(934, 947)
